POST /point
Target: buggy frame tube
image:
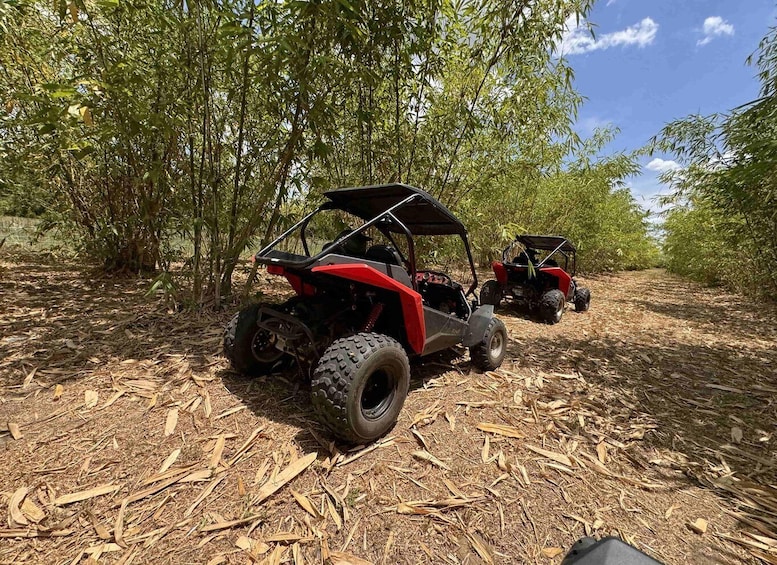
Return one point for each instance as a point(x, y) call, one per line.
point(410, 249)
point(363, 227)
point(387, 213)
point(549, 255)
point(474, 284)
point(288, 232)
point(306, 221)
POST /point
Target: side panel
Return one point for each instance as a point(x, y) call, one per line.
point(412, 305)
point(564, 280)
point(394, 272)
point(444, 330)
point(500, 272)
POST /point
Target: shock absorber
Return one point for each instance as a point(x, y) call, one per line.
point(377, 308)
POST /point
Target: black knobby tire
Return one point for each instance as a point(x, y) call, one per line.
point(582, 299)
point(490, 352)
point(250, 349)
point(359, 386)
point(552, 306)
point(491, 293)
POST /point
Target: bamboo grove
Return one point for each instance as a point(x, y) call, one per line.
point(169, 136)
point(722, 226)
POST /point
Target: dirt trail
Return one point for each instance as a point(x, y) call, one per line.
point(653, 410)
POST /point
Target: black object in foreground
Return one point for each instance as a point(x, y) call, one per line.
point(606, 551)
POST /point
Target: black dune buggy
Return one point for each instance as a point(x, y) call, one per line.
point(538, 283)
point(360, 310)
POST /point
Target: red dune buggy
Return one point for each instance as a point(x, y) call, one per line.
point(536, 282)
point(360, 311)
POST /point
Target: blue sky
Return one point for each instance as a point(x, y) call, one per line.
point(655, 61)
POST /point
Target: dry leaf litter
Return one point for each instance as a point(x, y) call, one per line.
point(128, 440)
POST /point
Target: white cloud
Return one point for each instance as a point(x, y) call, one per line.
point(723, 161)
point(663, 166)
point(610, 2)
point(577, 38)
point(713, 27)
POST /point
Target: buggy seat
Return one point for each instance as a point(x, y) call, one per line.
point(384, 254)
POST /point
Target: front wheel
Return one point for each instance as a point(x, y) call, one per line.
point(250, 349)
point(552, 305)
point(582, 299)
point(490, 352)
point(491, 293)
point(360, 385)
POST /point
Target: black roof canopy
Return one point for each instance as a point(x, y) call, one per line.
point(546, 242)
point(424, 215)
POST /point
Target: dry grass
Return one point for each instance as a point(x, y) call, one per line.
point(127, 439)
point(23, 233)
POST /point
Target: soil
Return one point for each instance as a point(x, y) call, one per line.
point(127, 439)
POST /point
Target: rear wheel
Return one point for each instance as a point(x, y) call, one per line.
point(490, 352)
point(250, 349)
point(360, 385)
point(491, 293)
point(582, 299)
point(551, 306)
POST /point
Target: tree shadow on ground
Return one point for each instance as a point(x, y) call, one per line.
point(284, 396)
point(515, 310)
point(747, 319)
point(67, 322)
point(694, 395)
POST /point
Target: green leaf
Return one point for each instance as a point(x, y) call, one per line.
point(57, 90)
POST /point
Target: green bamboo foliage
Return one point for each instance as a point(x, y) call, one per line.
point(156, 133)
point(723, 226)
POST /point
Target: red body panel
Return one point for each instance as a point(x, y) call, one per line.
point(564, 280)
point(412, 305)
point(301, 288)
point(500, 272)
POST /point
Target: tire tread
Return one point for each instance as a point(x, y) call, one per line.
point(242, 321)
point(480, 353)
point(334, 375)
point(582, 299)
point(491, 293)
point(549, 303)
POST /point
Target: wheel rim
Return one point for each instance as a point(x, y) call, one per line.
point(378, 394)
point(263, 347)
point(496, 345)
point(560, 310)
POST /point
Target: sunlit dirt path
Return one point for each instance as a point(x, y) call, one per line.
point(126, 438)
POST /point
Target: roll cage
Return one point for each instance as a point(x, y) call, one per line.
point(551, 243)
point(393, 209)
